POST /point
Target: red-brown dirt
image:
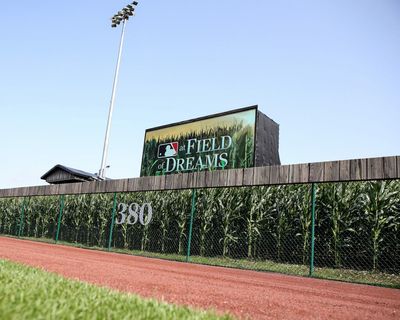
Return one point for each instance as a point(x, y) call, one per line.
point(256, 295)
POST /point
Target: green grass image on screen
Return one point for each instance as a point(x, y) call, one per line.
point(228, 145)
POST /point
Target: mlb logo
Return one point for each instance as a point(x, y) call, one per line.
point(168, 150)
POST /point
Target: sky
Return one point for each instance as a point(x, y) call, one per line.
point(327, 71)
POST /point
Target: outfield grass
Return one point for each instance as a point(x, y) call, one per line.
point(30, 293)
point(346, 275)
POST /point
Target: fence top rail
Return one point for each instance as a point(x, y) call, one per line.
point(383, 168)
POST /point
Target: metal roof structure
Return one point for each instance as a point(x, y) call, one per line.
point(62, 174)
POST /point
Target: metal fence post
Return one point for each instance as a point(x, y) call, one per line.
point(312, 229)
point(21, 217)
point(59, 216)
point(191, 224)
point(112, 221)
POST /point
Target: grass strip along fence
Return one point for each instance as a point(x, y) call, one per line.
point(30, 293)
point(347, 231)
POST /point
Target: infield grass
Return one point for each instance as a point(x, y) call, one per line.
point(30, 293)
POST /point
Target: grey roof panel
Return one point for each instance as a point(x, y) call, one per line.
point(76, 172)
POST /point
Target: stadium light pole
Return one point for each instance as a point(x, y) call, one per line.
point(120, 17)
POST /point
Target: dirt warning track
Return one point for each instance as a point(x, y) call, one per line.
point(242, 293)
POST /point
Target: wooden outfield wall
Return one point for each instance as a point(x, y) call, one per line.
point(332, 171)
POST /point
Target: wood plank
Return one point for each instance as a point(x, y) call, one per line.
point(15, 192)
point(213, 178)
point(190, 180)
point(157, 180)
point(196, 180)
point(304, 172)
point(151, 183)
point(139, 184)
point(222, 177)
point(175, 181)
point(19, 192)
point(39, 190)
point(53, 189)
point(344, 170)
point(231, 178)
point(284, 172)
point(238, 177)
point(111, 185)
point(63, 188)
point(261, 175)
point(398, 167)
point(132, 184)
point(201, 179)
point(234, 177)
point(358, 169)
point(35, 191)
point(168, 182)
point(12, 192)
point(76, 188)
point(120, 185)
point(84, 189)
point(185, 181)
point(331, 171)
point(375, 168)
point(248, 176)
point(147, 183)
point(7, 193)
point(257, 176)
point(316, 172)
point(155, 183)
point(178, 181)
point(142, 184)
point(208, 178)
point(162, 182)
point(68, 188)
point(389, 167)
point(98, 186)
point(22, 192)
point(274, 174)
point(294, 173)
point(48, 190)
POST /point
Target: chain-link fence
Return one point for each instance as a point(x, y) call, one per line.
point(356, 233)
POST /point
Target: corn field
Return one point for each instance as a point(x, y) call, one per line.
point(357, 224)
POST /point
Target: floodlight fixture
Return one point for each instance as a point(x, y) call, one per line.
point(122, 16)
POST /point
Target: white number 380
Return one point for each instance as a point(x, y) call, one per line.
point(136, 213)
